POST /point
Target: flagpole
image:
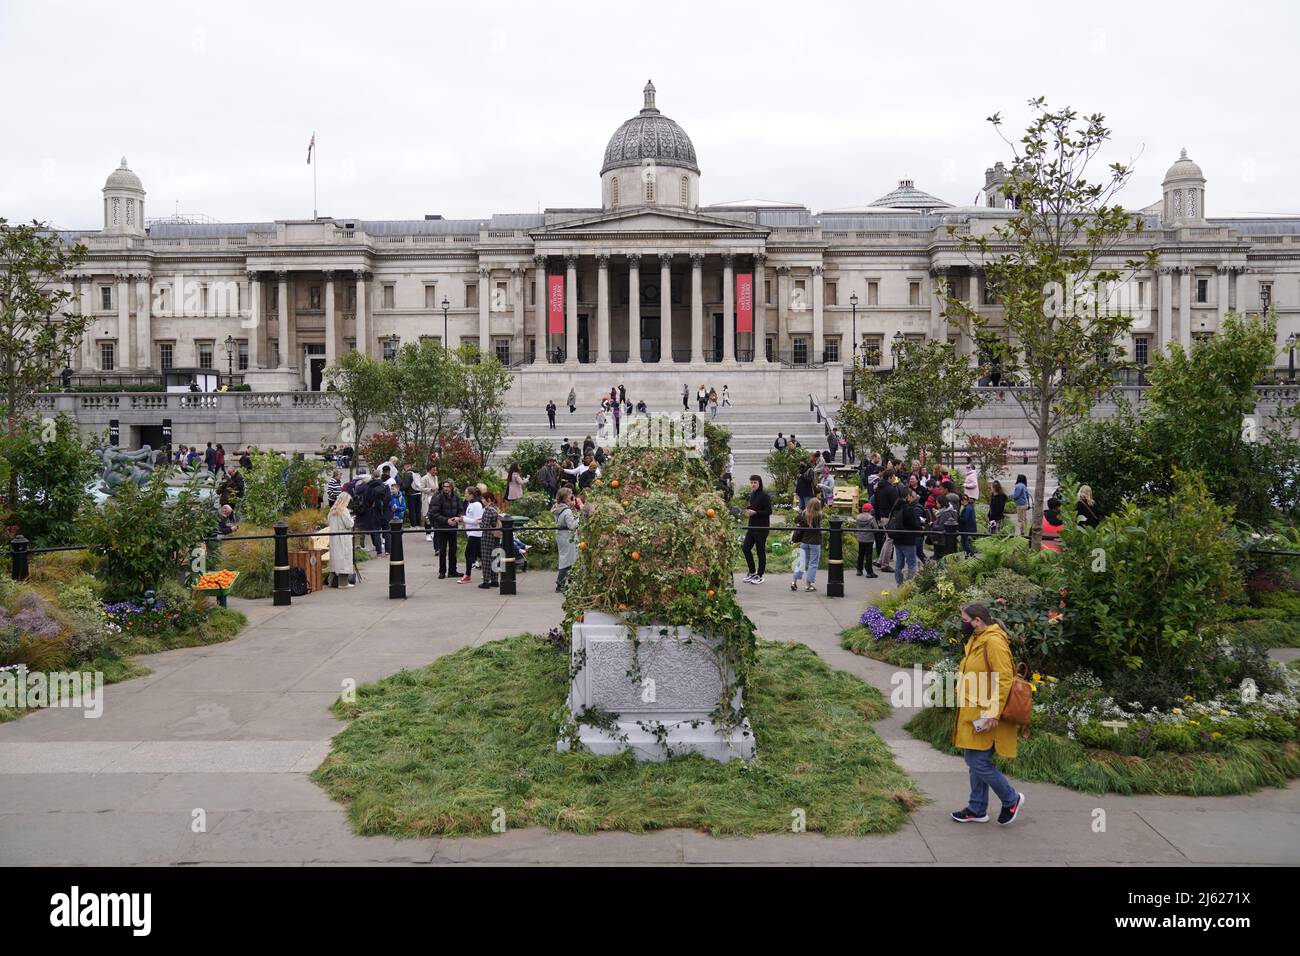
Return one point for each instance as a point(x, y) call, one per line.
point(314, 214)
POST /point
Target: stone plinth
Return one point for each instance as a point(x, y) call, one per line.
point(661, 711)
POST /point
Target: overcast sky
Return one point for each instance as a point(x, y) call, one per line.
point(468, 109)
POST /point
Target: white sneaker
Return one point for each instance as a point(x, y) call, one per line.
point(750, 576)
point(756, 579)
point(428, 537)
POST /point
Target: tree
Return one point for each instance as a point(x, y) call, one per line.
point(424, 385)
point(989, 454)
point(914, 404)
point(1114, 457)
point(1058, 284)
point(50, 463)
point(358, 383)
point(483, 403)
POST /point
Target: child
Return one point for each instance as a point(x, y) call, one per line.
point(865, 532)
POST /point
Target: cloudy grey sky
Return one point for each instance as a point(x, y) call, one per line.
point(467, 109)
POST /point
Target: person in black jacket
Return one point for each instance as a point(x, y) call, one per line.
point(550, 413)
point(760, 520)
point(905, 529)
point(372, 511)
point(445, 511)
point(803, 484)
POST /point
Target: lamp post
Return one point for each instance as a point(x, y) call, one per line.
point(230, 356)
point(67, 371)
point(393, 341)
point(445, 306)
point(1290, 359)
point(853, 380)
point(895, 347)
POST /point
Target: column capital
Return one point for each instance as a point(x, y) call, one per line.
point(760, 259)
point(1223, 270)
point(1165, 270)
point(254, 276)
point(327, 275)
point(282, 275)
point(728, 259)
point(938, 272)
point(634, 260)
point(602, 261)
point(665, 260)
point(783, 270)
point(697, 260)
point(570, 262)
point(484, 272)
point(817, 271)
point(516, 271)
point(362, 275)
point(539, 261)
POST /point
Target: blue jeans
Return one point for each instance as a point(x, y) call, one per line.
point(984, 775)
point(812, 554)
point(904, 553)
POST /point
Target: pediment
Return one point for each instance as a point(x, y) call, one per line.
point(644, 221)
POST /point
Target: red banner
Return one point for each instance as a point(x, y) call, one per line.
point(555, 303)
point(744, 302)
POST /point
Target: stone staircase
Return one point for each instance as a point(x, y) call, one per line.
point(753, 429)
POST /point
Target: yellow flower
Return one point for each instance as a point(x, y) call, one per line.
point(1176, 710)
point(1215, 734)
point(1225, 713)
point(952, 640)
point(883, 593)
point(1038, 676)
point(1052, 679)
point(1195, 723)
point(1189, 697)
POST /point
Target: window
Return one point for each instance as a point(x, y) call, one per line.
point(873, 293)
point(1202, 336)
point(767, 291)
point(350, 344)
point(832, 293)
point(313, 297)
point(430, 296)
point(613, 195)
point(1142, 294)
point(205, 354)
point(500, 297)
point(686, 191)
point(501, 345)
point(986, 295)
point(430, 339)
point(871, 350)
point(241, 360)
point(165, 350)
point(471, 295)
point(105, 296)
point(388, 296)
point(1141, 349)
point(800, 343)
point(273, 349)
point(914, 293)
point(769, 347)
point(1202, 290)
point(106, 356)
point(350, 298)
point(831, 353)
point(273, 297)
point(650, 188)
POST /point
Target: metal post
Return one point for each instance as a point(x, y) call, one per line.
point(396, 561)
point(18, 552)
point(835, 586)
point(282, 595)
point(950, 539)
point(508, 544)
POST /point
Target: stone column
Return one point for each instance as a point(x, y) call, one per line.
point(331, 324)
point(819, 316)
point(123, 321)
point(937, 331)
point(87, 309)
point(143, 325)
point(729, 309)
point(363, 333)
point(760, 311)
point(253, 323)
point(483, 306)
point(570, 310)
point(539, 317)
point(697, 307)
point(1221, 295)
point(517, 286)
point(1185, 307)
point(782, 307)
point(1166, 294)
point(634, 309)
point(665, 306)
point(602, 310)
point(282, 316)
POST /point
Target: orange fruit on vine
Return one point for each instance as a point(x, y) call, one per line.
point(626, 502)
point(710, 512)
point(710, 593)
point(614, 483)
point(582, 546)
point(622, 607)
point(636, 555)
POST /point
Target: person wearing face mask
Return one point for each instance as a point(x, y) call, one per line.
point(983, 686)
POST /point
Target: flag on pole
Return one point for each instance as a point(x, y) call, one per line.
point(310, 147)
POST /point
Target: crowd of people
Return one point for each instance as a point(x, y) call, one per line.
point(706, 398)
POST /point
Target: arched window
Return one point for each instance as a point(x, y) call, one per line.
point(686, 191)
point(650, 189)
point(613, 197)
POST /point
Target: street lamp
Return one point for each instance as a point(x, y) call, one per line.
point(853, 301)
point(393, 341)
point(1290, 359)
point(445, 306)
point(230, 356)
point(896, 346)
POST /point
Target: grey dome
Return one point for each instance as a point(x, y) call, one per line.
point(1184, 168)
point(907, 196)
point(123, 178)
point(649, 136)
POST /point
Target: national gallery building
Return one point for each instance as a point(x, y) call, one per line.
point(768, 297)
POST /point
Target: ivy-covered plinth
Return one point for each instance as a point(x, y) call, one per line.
point(655, 694)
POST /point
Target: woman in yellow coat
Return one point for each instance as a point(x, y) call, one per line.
point(982, 690)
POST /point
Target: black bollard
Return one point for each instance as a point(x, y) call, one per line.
point(508, 545)
point(396, 561)
point(282, 595)
point(18, 553)
point(950, 539)
point(835, 586)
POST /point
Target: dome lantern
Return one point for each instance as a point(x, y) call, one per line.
point(650, 161)
point(123, 202)
point(1184, 192)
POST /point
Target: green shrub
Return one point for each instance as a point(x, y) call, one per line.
point(80, 604)
point(51, 463)
point(782, 465)
point(530, 454)
point(255, 562)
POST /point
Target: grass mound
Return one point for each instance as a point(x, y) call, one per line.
point(1051, 758)
point(435, 751)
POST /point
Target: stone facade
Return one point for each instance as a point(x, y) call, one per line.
point(649, 282)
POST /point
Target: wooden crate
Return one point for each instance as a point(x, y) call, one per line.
point(847, 496)
point(310, 561)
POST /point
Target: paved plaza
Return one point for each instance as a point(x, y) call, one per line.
point(235, 729)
